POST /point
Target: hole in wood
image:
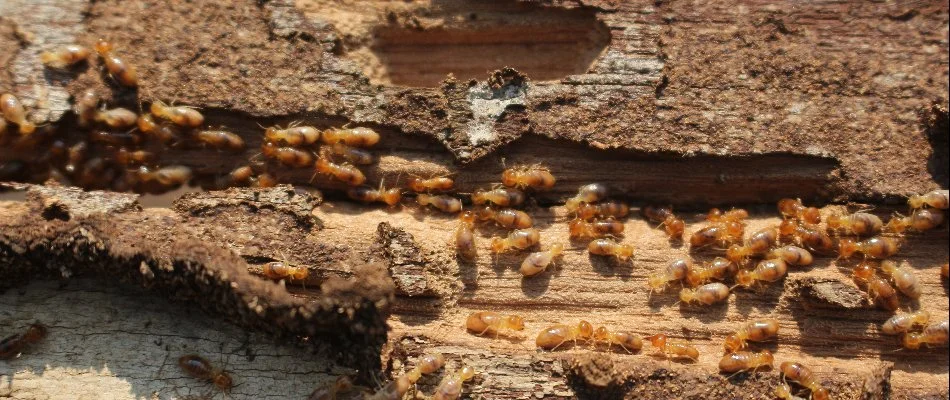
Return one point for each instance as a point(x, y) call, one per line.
point(470, 39)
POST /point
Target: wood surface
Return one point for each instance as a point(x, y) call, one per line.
point(685, 103)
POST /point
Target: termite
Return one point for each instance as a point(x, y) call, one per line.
point(342, 384)
point(444, 203)
point(615, 209)
point(518, 239)
point(278, 270)
point(676, 271)
point(502, 197)
point(794, 209)
point(579, 228)
point(358, 137)
point(753, 331)
point(809, 237)
point(173, 175)
point(920, 220)
point(85, 107)
point(465, 236)
point(420, 185)
point(64, 57)
point(803, 376)
point(537, 262)
point(506, 218)
point(673, 348)
point(292, 135)
point(859, 224)
point(904, 278)
point(221, 139)
point(878, 289)
point(199, 368)
point(904, 322)
point(528, 177)
point(708, 294)
point(590, 193)
point(345, 173)
point(13, 345)
point(179, 115)
point(352, 154)
point(553, 337)
point(607, 247)
point(367, 194)
point(240, 176)
point(673, 226)
point(734, 215)
point(757, 244)
point(875, 247)
point(935, 334)
point(766, 270)
point(719, 269)
point(625, 340)
point(490, 322)
point(13, 111)
point(722, 234)
point(793, 255)
point(451, 387)
point(745, 361)
point(165, 133)
point(124, 73)
point(128, 157)
point(939, 199)
point(117, 118)
point(290, 156)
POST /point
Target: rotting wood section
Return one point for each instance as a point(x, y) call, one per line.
point(789, 80)
point(62, 232)
point(728, 104)
point(826, 321)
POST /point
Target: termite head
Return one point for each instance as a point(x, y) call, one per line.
point(391, 196)
point(585, 329)
point(734, 229)
point(658, 340)
point(624, 252)
point(834, 221)
point(515, 322)
point(103, 47)
point(556, 249)
point(745, 278)
point(847, 247)
point(497, 244)
point(223, 381)
point(467, 373)
point(467, 217)
point(656, 283)
point(35, 333)
point(787, 227)
point(864, 271)
point(733, 343)
point(736, 253)
point(674, 227)
point(600, 334)
point(687, 295)
point(911, 340)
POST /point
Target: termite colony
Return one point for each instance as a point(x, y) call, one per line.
point(121, 150)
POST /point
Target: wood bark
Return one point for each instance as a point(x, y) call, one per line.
point(690, 104)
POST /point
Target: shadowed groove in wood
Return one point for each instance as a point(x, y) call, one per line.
point(471, 39)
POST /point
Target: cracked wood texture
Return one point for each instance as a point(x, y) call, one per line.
point(679, 102)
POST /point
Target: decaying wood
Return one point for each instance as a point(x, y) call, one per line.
point(690, 104)
point(826, 322)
